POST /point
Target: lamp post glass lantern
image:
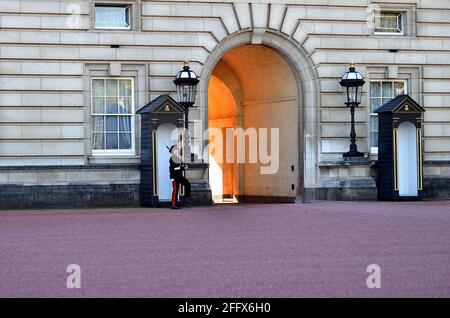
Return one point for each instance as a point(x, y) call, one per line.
point(186, 83)
point(352, 82)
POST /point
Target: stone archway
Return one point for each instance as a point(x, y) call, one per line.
point(306, 86)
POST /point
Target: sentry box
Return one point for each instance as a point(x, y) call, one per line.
point(400, 166)
point(162, 125)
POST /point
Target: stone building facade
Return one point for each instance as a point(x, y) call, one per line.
point(279, 60)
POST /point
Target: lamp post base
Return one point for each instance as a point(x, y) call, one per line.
point(351, 154)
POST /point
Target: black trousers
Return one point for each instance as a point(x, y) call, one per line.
point(176, 188)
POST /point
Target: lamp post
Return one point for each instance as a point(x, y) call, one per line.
point(352, 82)
point(186, 83)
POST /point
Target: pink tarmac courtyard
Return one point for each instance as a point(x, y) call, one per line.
point(319, 249)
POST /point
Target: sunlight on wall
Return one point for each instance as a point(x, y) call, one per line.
point(221, 115)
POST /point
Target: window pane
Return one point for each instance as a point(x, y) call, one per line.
point(375, 89)
point(112, 88)
point(374, 139)
point(111, 123)
point(388, 22)
point(399, 23)
point(112, 106)
point(98, 105)
point(98, 87)
point(387, 89)
point(377, 21)
point(127, 16)
point(111, 141)
point(374, 104)
point(125, 141)
point(111, 17)
point(125, 88)
point(374, 122)
point(98, 123)
point(98, 141)
point(125, 105)
point(125, 123)
point(399, 88)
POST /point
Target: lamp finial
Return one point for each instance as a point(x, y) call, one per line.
point(352, 66)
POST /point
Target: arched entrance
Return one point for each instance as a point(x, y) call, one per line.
point(308, 112)
point(253, 109)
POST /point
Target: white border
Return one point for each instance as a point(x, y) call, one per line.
point(117, 152)
point(126, 6)
point(402, 26)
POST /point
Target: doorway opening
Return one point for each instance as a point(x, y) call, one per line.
point(166, 135)
point(407, 159)
point(253, 113)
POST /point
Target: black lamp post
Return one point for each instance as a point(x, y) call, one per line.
point(186, 82)
point(352, 82)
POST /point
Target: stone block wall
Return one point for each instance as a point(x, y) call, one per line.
point(50, 49)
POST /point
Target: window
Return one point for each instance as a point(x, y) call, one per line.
point(112, 17)
point(112, 116)
point(389, 23)
point(380, 93)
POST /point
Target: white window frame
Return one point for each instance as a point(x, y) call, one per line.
point(126, 8)
point(402, 24)
point(374, 150)
point(116, 152)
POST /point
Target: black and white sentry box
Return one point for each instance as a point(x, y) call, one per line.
point(162, 125)
point(400, 168)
